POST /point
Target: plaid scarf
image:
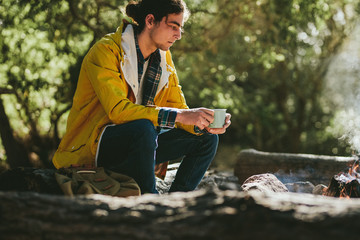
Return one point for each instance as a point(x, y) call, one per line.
point(166, 117)
point(152, 74)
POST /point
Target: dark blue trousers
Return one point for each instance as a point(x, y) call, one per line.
point(134, 148)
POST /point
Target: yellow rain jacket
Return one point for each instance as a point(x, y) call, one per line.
point(105, 95)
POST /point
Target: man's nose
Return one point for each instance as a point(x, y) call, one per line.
point(178, 35)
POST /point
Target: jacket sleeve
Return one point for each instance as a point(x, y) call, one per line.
point(176, 97)
point(102, 67)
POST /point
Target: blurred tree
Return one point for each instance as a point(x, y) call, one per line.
point(42, 45)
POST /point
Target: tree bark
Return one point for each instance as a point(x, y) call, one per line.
point(15, 151)
point(204, 214)
point(288, 167)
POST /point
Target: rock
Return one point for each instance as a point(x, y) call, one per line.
point(319, 189)
point(25, 179)
point(43, 180)
point(300, 187)
point(162, 186)
point(212, 179)
point(264, 183)
point(221, 180)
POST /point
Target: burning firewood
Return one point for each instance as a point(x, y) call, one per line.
point(345, 185)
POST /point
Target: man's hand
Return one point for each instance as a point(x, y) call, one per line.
point(220, 130)
point(200, 117)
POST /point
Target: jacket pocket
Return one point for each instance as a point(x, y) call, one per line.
point(75, 148)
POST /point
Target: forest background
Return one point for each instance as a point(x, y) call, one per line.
point(287, 71)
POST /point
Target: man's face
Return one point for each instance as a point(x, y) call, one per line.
point(167, 31)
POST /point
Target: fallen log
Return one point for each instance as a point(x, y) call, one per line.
point(204, 214)
point(317, 169)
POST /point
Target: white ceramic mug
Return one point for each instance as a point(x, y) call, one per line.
point(219, 118)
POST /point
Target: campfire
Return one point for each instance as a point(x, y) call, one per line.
point(345, 184)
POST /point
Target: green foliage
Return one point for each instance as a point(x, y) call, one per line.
point(263, 60)
point(42, 46)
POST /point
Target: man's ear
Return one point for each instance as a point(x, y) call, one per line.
point(149, 21)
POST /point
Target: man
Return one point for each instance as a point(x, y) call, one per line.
point(129, 113)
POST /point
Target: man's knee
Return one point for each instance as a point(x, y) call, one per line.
point(145, 131)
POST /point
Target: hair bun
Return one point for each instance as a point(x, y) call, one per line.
point(132, 10)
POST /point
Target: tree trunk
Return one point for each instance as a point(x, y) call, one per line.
point(205, 214)
point(16, 152)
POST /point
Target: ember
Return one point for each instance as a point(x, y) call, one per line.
point(345, 185)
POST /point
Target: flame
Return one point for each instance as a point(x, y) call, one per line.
point(352, 175)
point(345, 184)
point(343, 194)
